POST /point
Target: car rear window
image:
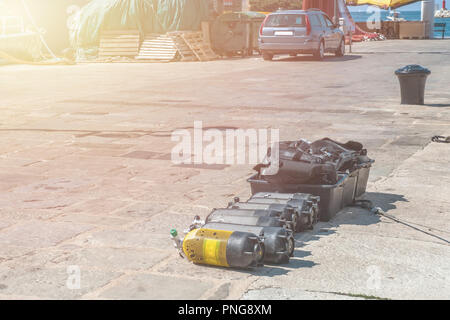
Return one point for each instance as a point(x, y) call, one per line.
point(285, 20)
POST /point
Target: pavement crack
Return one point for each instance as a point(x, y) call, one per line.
point(352, 295)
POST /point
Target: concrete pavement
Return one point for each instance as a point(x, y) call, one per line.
point(87, 186)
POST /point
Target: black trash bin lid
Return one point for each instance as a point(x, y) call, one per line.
point(411, 69)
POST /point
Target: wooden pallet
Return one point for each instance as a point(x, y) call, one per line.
point(158, 47)
point(201, 48)
point(186, 54)
point(192, 46)
point(122, 43)
point(412, 29)
point(183, 45)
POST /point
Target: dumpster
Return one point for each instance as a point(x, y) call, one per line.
point(236, 33)
point(256, 19)
point(412, 80)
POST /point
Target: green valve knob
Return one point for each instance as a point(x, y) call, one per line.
point(173, 232)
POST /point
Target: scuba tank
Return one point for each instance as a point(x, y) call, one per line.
point(283, 211)
point(278, 242)
point(284, 196)
point(259, 218)
point(223, 248)
point(305, 205)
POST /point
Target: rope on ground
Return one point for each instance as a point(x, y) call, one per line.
point(441, 139)
point(367, 204)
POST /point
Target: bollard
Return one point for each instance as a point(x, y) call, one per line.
point(412, 80)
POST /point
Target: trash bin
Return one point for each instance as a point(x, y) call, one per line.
point(412, 80)
point(256, 19)
point(236, 33)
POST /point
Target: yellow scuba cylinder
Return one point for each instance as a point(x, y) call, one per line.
point(223, 248)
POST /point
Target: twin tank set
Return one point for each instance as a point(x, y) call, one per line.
point(249, 234)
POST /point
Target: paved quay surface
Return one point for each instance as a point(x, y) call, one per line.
point(86, 181)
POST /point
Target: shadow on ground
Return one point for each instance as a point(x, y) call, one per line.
point(347, 216)
point(385, 201)
point(438, 105)
point(311, 58)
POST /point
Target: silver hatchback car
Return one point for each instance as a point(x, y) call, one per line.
point(300, 32)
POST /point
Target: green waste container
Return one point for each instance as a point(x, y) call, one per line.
point(236, 33)
point(256, 19)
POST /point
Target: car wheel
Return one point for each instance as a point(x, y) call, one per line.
point(267, 56)
point(340, 51)
point(320, 53)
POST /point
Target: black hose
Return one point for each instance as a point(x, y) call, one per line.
point(367, 204)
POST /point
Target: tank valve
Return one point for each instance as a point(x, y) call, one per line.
point(177, 242)
point(197, 223)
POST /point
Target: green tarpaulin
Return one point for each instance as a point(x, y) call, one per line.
point(147, 16)
point(181, 14)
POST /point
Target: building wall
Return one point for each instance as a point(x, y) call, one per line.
point(326, 6)
point(273, 5)
point(232, 5)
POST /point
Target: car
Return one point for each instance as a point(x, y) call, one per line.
point(300, 32)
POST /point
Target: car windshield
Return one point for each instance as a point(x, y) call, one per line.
point(285, 20)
